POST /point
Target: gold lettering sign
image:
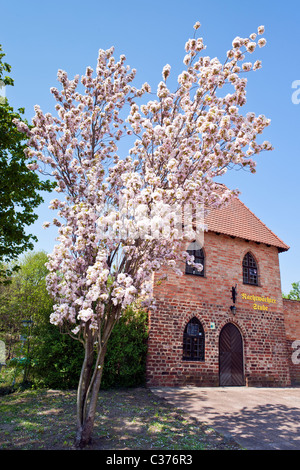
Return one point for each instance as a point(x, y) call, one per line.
point(258, 298)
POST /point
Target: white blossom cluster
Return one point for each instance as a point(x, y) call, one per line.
point(119, 218)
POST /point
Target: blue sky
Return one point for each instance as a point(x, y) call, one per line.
point(41, 37)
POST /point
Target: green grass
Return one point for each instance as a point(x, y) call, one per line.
point(125, 419)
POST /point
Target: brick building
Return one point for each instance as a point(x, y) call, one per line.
point(227, 325)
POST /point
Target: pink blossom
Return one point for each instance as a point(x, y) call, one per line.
point(117, 217)
point(261, 30)
point(251, 46)
point(262, 42)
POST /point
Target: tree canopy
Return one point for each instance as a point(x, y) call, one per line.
point(24, 298)
point(19, 187)
point(294, 293)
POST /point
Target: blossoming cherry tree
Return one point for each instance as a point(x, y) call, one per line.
point(119, 217)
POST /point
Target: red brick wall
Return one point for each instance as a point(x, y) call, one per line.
point(291, 310)
point(179, 298)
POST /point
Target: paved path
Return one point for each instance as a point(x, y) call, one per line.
point(257, 418)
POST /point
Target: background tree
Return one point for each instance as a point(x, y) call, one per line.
point(19, 187)
point(294, 293)
point(54, 359)
point(120, 219)
point(25, 297)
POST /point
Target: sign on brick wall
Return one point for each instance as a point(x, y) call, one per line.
point(259, 301)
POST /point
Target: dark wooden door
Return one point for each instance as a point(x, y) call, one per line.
point(231, 360)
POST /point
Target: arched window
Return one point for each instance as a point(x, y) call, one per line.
point(195, 250)
point(250, 271)
point(193, 341)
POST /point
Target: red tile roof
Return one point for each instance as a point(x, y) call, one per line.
point(235, 219)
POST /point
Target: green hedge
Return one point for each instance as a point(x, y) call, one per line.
point(125, 361)
point(56, 359)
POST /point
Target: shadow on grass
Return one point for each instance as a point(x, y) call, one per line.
point(126, 419)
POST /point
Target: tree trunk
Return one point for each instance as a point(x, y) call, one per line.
point(87, 397)
point(90, 379)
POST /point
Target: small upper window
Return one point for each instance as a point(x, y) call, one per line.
point(250, 271)
point(195, 250)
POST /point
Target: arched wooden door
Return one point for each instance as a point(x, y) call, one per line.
point(231, 358)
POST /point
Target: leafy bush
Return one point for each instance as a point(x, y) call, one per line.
point(54, 359)
point(57, 358)
point(125, 361)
